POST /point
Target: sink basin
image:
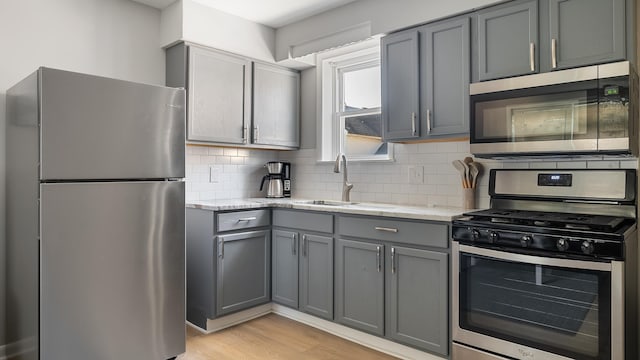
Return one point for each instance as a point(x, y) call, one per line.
point(328, 202)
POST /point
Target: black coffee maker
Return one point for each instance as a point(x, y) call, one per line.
point(278, 179)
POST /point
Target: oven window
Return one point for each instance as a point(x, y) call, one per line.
point(560, 310)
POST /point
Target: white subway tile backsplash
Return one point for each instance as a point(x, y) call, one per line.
point(240, 172)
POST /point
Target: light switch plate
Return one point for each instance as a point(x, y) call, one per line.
point(416, 174)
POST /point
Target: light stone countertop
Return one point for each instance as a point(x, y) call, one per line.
point(436, 213)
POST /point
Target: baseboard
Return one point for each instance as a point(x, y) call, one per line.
point(233, 319)
point(359, 337)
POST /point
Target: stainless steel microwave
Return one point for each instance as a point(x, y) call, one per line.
point(585, 111)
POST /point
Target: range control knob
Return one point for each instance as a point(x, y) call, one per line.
point(526, 240)
point(494, 237)
point(587, 247)
point(475, 235)
point(562, 244)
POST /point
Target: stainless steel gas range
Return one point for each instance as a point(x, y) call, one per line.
point(550, 270)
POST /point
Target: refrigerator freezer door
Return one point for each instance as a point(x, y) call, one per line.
point(100, 128)
point(112, 270)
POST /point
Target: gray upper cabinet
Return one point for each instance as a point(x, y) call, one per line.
point(316, 272)
point(508, 40)
point(244, 265)
point(400, 86)
point(276, 99)
point(524, 37)
point(232, 100)
point(218, 96)
point(584, 32)
point(360, 285)
point(425, 81)
point(445, 77)
point(417, 298)
point(284, 271)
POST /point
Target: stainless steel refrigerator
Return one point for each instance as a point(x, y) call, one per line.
point(95, 218)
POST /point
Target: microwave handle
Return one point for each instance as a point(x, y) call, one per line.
point(554, 53)
point(532, 56)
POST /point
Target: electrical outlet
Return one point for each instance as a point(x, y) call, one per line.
point(214, 174)
point(416, 174)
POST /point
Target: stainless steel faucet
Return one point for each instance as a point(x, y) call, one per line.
point(346, 186)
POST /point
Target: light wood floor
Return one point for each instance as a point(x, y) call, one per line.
point(273, 337)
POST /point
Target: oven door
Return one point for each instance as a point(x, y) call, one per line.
point(531, 307)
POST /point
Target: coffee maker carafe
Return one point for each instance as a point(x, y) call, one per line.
point(278, 179)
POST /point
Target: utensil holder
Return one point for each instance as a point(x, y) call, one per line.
point(469, 198)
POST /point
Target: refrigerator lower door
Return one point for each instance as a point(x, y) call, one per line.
point(112, 270)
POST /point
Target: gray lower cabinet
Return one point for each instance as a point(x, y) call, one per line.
point(284, 269)
point(243, 276)
point(392, 279)
point(302, 253)
point(227, 271)
point(426, 73)
point(316, 275)
point(508, 40)
point(417, 298)
point(360, 285)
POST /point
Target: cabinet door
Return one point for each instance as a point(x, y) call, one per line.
point(201, 266)
point(316, 271)
point(400, 86)
point(446, 76)
point(584, 32)
point(508, 40)
point(219, 96)
point(360, 285)
point(284, 273)
point(276, 106)
point(417, 303)
point(244, 264)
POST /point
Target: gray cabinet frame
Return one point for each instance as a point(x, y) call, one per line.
point(284, 270)
point(316, 274)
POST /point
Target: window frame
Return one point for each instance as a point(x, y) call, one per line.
point(330, 66)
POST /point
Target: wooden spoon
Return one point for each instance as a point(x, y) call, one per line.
point(473, 172)
point(462, 168)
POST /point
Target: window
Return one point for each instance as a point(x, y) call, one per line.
point(351, 121)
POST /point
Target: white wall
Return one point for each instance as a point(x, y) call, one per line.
point(115, 38)
point(374, 16)
point(192, 21)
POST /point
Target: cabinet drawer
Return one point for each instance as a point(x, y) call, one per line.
point(242, 220)
point(396, 230)
point(297, 219)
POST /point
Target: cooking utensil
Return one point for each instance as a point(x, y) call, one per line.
point(473, 172)
point(463, 169)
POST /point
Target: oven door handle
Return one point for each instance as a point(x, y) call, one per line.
point(536, 260)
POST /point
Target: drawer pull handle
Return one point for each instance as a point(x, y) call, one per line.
point(248, 219)
point(380, 228)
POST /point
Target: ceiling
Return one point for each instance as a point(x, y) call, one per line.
point(273, 13)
